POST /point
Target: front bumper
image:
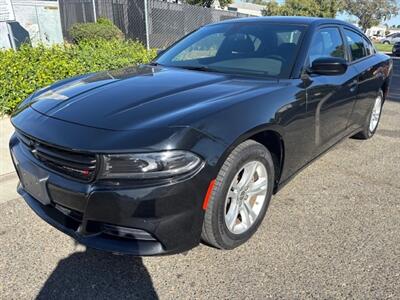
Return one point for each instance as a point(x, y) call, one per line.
point(167, 218)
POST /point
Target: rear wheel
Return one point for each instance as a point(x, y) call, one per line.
point(241, 195)
point(372, 122)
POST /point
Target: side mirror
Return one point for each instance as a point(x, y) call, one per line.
point(328, 66)
point(160, 51)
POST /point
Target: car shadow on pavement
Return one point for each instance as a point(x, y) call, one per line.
point(98, 275)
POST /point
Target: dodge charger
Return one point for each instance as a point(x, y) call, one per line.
point(154, 159)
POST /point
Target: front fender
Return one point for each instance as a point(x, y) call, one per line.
point(282, 112)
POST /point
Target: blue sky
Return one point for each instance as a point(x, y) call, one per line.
point(393, 21)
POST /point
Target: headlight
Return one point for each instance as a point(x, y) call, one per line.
point(149, 165)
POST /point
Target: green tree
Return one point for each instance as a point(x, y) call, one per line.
point(312, 8)
point(371, 12)
point(272, 8)
point(208, 3)
point(329, 8)
point(398, 26)
point(299, 8)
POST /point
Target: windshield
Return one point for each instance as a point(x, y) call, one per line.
point(259, 49)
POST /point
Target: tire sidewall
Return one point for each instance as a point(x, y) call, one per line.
point(255, 152)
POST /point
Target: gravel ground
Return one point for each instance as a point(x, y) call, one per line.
point(333, 232)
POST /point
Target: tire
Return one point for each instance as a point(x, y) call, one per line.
point(386, 42)
point(369, 132)
point(246, 156)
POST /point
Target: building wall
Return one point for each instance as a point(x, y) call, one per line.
point(6, 12)
point(246, 8)
point(4, 39)
point(41, 19)
point(250, 12)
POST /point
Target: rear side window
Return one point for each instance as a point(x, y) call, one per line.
point(327, 42)
point(370, 50)
point(356, 44)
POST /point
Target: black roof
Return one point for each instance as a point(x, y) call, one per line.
point(292, 20)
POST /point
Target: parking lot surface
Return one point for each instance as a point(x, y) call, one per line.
point(333, 232)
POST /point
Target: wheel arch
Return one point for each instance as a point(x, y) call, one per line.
point(273, 141)
point(271, 137)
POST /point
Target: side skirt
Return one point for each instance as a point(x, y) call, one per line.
point(286, 181)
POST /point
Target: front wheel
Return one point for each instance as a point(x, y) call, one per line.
point(240, 198)
point(373, 120)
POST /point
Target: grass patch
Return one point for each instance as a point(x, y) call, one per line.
point(383, 47)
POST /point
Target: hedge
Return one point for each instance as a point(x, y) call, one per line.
point(102, 29)
point(28, 69)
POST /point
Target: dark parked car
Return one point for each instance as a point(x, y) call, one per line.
point(153, 159)
point(396, 49)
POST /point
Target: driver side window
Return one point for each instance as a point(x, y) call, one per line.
point(327, 42)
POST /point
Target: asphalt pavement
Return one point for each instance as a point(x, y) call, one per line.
point(333, 232)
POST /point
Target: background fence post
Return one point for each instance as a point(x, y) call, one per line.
point(94, 11)
point(37, 22)
point(11, 37)
point(146, 21)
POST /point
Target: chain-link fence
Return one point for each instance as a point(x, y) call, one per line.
point(155, 23)
point(168, 22)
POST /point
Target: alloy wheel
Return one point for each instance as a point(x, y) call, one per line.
point(376, 113)
point(246, 197)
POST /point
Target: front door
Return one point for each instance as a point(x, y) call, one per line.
point(330, 98)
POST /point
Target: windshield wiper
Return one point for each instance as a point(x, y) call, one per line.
point(195, 68)
point(199, 68)
point(154, 64)
point(227, 70)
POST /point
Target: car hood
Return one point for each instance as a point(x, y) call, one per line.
point(141, 97)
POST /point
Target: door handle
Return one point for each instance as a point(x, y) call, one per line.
point(353, 86)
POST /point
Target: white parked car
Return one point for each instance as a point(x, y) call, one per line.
point(391, 38)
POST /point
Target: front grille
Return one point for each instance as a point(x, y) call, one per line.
point(78, 165)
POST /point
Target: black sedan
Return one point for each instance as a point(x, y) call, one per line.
point(156, 158)
point(396, 49)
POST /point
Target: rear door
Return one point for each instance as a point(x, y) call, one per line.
point(330, 98)
point(363, 59)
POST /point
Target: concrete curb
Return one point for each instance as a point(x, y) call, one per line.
point(8, 176)
point(6, 130)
